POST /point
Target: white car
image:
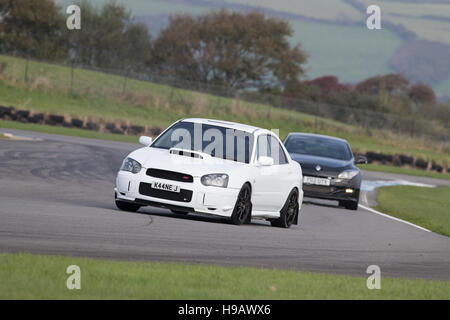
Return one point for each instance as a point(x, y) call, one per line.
point(216, 168)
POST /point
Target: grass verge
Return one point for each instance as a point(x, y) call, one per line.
point(405, 171)
point(26, 276)
point(66, 131)
point(426, 207)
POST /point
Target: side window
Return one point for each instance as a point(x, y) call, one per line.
point(263, 148)
point(277, 152)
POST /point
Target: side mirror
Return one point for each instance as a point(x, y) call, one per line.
point(361, 160)
point(146, 141)
point(265, 161)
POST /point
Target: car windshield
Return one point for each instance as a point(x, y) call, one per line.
point(319, 147)
point(219, 142)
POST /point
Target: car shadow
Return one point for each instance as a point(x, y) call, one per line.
point(322, 204)
point(195, 217)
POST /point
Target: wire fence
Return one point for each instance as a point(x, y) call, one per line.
point(143, 87)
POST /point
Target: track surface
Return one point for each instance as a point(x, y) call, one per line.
point(56, 197)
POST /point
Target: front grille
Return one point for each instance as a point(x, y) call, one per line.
point(170, 175)
point(182, 196)
point(319, 189)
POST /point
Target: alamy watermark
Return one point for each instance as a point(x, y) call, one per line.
point(73, 22)
point(374, 20)
point(74, 280)
point(374, 280)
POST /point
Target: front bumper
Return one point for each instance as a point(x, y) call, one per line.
point(337, 190)
point(330, 193)
point(204, 199)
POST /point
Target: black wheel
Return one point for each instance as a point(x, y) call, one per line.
point(289, 213)
point(352, 205)
point(349, 204)
point(126, 206)
point(179, 212)
point(243, 208)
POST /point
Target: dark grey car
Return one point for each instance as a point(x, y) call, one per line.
point(328, 165)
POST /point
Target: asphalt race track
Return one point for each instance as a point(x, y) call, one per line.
point(56, 197)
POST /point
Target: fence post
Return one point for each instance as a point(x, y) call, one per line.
point(171, 96)
point(124, 87)
point(71, 77)
point(26, 70)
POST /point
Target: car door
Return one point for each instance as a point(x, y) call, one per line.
point(283, 172)
point(268, 185)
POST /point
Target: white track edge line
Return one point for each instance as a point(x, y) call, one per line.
point(391, 217)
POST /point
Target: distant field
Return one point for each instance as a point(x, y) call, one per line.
point(26, 276)
point(319, 9)
point(320, 40)
point(425, 19)
point(100, 95)
point(443, 89)
point(349, 51)
point(328, 46)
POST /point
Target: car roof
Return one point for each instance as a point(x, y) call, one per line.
point(226, 124)
point(316, 135)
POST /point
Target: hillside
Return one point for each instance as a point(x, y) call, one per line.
point(95, 95)
point(414, 40)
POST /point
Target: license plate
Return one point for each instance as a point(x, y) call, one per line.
point(316, 181)
point(165, 187)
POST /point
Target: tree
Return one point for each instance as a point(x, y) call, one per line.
point(422, 93)
point(32, 28)
point(391, 84)
point(328, 85)
point(110, 39)
point(232, 49)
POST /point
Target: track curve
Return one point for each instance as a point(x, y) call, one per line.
point(56, 197)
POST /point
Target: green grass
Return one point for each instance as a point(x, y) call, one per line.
point(66, 131)
point(425, 207)
point(26, 276)
point(406, 171)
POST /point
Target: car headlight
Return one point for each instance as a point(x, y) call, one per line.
point(131, 165)
point(350, 174)
point(215, 180)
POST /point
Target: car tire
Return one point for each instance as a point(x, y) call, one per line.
point(242, 211)
point(126, 206)
point(180, 212)
point(289, 212)
point(352, 205)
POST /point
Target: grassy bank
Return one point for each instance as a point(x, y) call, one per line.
point(405, 171)
point(49, 88)
point(26, 276)
point(426, 207)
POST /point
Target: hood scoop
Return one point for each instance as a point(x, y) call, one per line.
point(187, 153)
